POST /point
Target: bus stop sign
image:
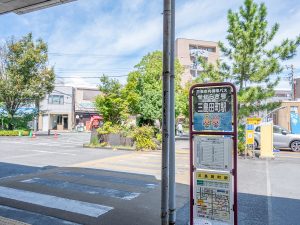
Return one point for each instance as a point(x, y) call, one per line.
point(213, 154)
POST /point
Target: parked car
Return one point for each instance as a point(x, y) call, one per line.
point(282, 138)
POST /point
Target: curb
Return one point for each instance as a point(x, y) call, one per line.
point(121, 149)
point(6, 221)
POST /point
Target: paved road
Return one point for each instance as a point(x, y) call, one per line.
point(56, 181)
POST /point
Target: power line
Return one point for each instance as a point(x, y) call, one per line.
point(68, 69)
point(60, 54)
point(91, 77)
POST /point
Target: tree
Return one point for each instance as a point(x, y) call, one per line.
point(24, 74)
point(143, 90)
point(253, 61)
point(111, 103)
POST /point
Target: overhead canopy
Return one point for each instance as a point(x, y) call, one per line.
point(26, 6)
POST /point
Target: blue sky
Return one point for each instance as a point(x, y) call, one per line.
point(91, 37)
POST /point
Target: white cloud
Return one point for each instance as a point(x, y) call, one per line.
point(120, 32)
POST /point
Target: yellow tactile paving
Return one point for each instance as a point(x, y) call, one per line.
point(6, 221)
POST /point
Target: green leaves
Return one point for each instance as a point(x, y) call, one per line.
point(24, 75)
point(143, 90)
point(111, 102)
point(253, 61)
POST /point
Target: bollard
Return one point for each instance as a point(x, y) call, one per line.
point(55, 135)
point(33, 135)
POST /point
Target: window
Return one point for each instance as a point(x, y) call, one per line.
point(90, 95)
point(193, 73)
point(208, 49)
point(277, 130)
point(56, 99)
point(59, 120)
point(294, 109)
point(257, 129)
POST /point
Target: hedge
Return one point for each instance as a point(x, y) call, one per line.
point(13, 132)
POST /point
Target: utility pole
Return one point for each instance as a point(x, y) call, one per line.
point(292, 81)
point(172, 169)
point(166, 113)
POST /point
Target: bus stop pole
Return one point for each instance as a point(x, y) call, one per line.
point(172, 169)
point(166, 113)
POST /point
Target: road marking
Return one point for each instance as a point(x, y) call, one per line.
point(269, 193)
point(61, 153)
point(108, 192)
point(109, 178)
point(285, 156)
point(22, 156)
point(50, 201)
point(99, 161)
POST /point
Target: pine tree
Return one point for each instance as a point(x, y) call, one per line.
point(254, 66)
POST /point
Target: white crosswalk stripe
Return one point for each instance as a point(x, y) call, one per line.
point(51, 201)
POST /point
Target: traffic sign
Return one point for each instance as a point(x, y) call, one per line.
point(254, 120)
point(213, 154)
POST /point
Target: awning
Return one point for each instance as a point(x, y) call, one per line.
point(26, 6)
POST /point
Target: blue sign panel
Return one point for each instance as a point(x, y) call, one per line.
point(212, 109)
point(250, 127)
point(295, 123)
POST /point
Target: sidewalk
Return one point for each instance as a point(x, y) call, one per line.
point(5, 221)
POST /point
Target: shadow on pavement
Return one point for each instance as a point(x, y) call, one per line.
point(264, 210)
point(135, 198)
point(11, 170)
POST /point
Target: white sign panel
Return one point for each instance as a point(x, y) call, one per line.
point(213, 197)
point(213, 153)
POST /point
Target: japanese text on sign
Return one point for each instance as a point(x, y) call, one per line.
point(212, 108)
point(213, 100)
point(213, 152)
point(213, 196)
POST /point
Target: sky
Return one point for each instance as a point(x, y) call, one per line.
point(88, 38)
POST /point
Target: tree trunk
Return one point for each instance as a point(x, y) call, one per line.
point(10, 121)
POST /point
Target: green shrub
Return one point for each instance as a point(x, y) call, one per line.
point(241, 139)
point(159, 137)
point(143, 137)
point(109, 128)
point(13, 132)
point(94, 141)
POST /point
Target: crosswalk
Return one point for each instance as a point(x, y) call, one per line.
point(79, 196)
point(89, 189)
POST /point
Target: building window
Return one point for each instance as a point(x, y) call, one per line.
point(56, 99)
point(59, 120)
point(90, 95)
point(193, 73)
point(208, 49)
point(294, 109)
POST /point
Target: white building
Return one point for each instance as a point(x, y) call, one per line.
point(57, 109)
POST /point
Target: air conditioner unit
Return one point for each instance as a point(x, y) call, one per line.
point(41, 5)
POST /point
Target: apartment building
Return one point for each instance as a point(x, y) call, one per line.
point(188, 51)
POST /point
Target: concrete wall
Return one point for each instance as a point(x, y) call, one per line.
point(282, 117)
point(84, 99)
point(183, 54)
point(66, 107)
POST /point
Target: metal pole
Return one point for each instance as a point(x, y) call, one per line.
point(166, 113)
point(172, 168)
